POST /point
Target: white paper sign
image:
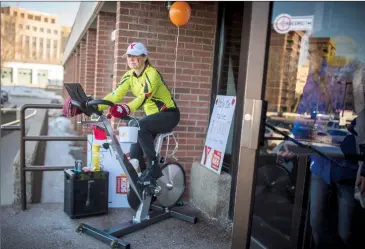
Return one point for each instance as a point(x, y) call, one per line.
point(217, 136)
point(285, 23)
point(118, 185)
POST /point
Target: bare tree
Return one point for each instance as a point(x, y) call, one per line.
point(8, 38)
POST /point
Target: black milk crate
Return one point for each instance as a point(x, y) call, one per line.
point(85, 193)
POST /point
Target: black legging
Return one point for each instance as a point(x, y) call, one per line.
point(150, 127)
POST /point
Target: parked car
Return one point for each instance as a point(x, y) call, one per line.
point(271, 134)
point(331, 136)
point(4, 96)
point(338, 135)
point(322, 137)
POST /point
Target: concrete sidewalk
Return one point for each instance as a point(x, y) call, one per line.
point(47, 226)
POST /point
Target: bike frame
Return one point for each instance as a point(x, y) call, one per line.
point(142, 218)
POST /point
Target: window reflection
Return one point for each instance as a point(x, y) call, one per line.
point(227, 73)
point(315, 95)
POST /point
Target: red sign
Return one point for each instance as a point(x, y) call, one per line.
point(216, 159)
point(121, 184)
point(207, 150)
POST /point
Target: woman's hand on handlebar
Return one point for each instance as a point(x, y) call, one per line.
point(119, 111)
point(69, 110)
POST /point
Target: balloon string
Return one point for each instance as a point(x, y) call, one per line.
point(177, 44)
point(173, 93)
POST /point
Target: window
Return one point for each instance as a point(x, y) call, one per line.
point(15, 13)
point(42, 29)
point(53, 21)
point(30, 17)
point(20, 26)
point(27, 27)
point(22, 15)
point(37, 18)
point(48, 31)
point(45, 19)
point(34, 28)
point(55, 32)
point(315, 54)
point(226, 66)
point(5, 11)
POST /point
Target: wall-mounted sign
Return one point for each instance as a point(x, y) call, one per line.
point(218, 131)
point(285, 23)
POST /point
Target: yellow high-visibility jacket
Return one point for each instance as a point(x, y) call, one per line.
point(149, 88)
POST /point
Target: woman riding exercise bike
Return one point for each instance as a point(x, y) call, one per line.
point(151, 92)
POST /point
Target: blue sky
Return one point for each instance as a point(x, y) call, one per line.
point(341, 20)
point(66, 11)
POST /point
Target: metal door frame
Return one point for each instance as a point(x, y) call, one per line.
point(250, 95)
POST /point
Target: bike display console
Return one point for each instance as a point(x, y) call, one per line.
point(168, 187)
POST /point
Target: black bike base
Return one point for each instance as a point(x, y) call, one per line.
point(112, 234)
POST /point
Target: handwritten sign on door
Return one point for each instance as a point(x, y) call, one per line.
point(218, 131)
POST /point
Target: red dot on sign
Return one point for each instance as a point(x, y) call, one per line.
point(216, 102)
point(233, 101)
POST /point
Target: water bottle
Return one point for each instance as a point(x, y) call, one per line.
point(95, 157)
point(78, 166)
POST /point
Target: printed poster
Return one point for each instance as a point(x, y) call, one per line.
point(218, 131)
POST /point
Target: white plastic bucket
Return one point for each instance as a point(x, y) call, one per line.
point(128, 134)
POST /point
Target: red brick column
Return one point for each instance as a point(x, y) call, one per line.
point(120, 43)
point(90, 61)
point(82, 66)
point(67, 75)
point(120, 46)
point(77, 63)
point(104, 54)
point(72, 65)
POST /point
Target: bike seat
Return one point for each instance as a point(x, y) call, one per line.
point(164, 135)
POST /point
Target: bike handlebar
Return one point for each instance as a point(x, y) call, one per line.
point(99, 102)
point(90, 106)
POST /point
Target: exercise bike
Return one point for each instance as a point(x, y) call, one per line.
point(167, 191)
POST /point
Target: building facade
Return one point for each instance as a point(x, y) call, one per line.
point(33, 45)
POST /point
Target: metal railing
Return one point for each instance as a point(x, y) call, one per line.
point(23, 138)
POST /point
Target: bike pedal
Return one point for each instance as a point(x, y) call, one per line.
point(180, 203)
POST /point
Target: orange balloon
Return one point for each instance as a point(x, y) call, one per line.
point(180, 13)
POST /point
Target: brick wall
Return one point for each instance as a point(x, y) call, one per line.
point(67, 76)
point(90, 61)
point(104, 55)
point(148, 22)
point(82, 68)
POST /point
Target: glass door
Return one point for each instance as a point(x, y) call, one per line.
point(296, 188)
